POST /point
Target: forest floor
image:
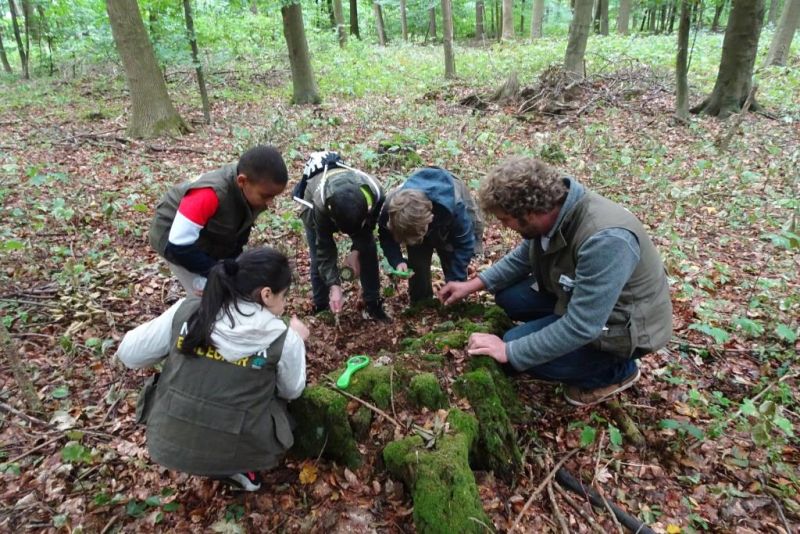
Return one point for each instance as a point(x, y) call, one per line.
point(718, 406)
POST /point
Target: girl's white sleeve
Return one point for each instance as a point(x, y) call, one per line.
point(291, 379)
point(149, 343)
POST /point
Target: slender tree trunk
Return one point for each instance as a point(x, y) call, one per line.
point(331, 13)
point(376, 7)
point(681, 62)
point(480, 32)
point(23, 58)
point(508, 20)
point(3, 56)
point(603, 8)
point(644, 20)
point(432, 23)
point(782, 40)
point(447, 40)
point(623, 16)
point(198, 67)
point(537, 19)
point(496, 22)
point(27, 17)
point(522, 18)
point(673, 13)
point(773, 11)
point(152, 112)
point(403, 20)
point(303, 83)
point(354, 19)
point(739, 48)
point(341, 30)
point(578, 35)
point(717, 13)
point(254, 7)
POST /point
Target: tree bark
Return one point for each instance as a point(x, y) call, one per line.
point(152, 112)
point(403, 20)
point(354, 19)
point(672, 15)
point(717, 13)
point(508, 20)
point(432, 23)
point(623, 16)
point(782, 40)
point(681, 62)
point(773, 11)
point(480, 31)
point(3, 56)
point(23, 57)
point(739, 48)
point(27, 16)
point(447, 40)
point(602, 6)
point(578, 35)
point(537, 19)
point(331, 13)
point(198, 67)
point(522, 18)
point(338, 15)
point(303, 83)
point(380, 28)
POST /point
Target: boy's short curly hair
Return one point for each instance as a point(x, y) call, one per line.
point(410, 213)
point(520, 185)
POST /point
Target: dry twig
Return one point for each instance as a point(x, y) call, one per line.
point(540, 487)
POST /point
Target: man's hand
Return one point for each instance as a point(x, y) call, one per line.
point(336, 298)
point(298, 326)
point(452, 292)
point(402, 267)
point(488, 345)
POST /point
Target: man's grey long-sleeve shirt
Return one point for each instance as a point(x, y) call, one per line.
point(605, 263)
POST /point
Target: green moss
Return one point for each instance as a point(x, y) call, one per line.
point(371, 383)
point(434, 359)
point(499, 323)
point(503, 385)
point(360, 422)
point(442, 485)
point(323, 426)
point(424, 390)
point(497, 448)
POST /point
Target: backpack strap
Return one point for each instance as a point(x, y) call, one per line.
point(275, 349)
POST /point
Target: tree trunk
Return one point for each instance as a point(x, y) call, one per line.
point(480, 31)
point(779, 49)
point(23, 58)
point(537, 19)
point(27, 17)
point(602, 6)
point(623, 16)
point(447, 40)
point(198, 67)
point(403, 20)
point(739, 48)
point(663, 21)
point(672, 15)
point(254, 7)
point(432, 23)
point(379, 27)
point(331, 13)
point(303, 83)
point(578, 35)
point(717, 13)
point(338, 15)
point(773, 11)
point(152, 112)
point(354, 19)
point(681, 62)
point(3, 56)
point(522, 18)
point(508, 20)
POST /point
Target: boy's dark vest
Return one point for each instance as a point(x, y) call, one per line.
point(318, 192)
point(641, 320)
point(206, 416)
point(227, 228)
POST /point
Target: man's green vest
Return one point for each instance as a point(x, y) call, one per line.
point(206, 416)
point(641, 320)
point(227, 228)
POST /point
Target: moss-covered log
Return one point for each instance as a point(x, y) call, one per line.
point(323, 427)
point(424, 390)
point(497, 448)
point(440, 480)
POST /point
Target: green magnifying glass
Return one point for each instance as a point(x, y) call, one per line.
point(354, 364)
point(402, 274)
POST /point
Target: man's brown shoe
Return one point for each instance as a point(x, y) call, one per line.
point(586, 397)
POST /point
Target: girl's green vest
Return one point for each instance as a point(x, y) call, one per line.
point(206, 416)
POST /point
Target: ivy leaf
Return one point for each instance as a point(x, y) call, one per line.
point(786, 333)
point(61, 392)
point(588, 435)
point(748, 408)
point(135, 508)
point(784, 424)
point(719, 335)
point(171, 507)
point(614, 436)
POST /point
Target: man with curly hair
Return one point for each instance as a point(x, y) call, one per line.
point(587, 282)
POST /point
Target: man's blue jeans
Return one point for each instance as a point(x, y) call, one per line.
point(585, 367)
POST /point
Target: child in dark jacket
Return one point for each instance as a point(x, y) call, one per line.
point(209, 218)
point(432, 210)
point(218, 407)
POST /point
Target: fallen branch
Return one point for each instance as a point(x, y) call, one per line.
point(540, 487)
point(626, 424)
point(581, 511)
point(35, 449)
point(556, 510)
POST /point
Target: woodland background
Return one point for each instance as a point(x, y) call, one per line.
point(101, 111)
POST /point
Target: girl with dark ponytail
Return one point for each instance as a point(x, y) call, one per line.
point(218, 408)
